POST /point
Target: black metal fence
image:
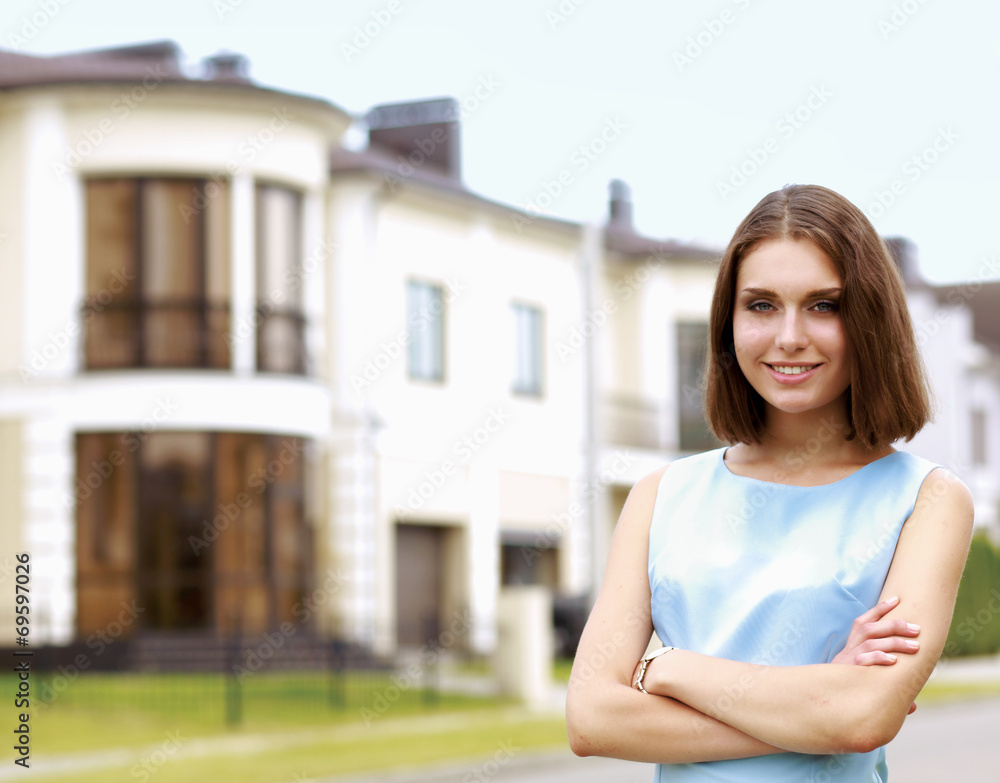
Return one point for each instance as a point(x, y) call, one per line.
point(212, 680)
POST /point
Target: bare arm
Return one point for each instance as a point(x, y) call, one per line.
point(834, 708)
point(605, 716)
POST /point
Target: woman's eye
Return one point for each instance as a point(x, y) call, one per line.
point(826, 307)
point(759, 307)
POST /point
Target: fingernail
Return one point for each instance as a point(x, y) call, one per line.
point(892, 600)
point(912, 643)
point(891, 657)
point(913, 627)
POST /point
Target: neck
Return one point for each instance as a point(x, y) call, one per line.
point(810, 439)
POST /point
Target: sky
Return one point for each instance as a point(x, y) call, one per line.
point(701, 107)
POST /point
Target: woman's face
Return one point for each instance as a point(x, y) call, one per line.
point(789, 338)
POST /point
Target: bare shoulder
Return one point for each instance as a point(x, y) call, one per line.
point(944, 497)
point(644, 491)
point(649, 483)
point(637, 512)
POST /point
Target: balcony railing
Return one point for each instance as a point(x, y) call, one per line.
point(187, 333)
point(281, 345)
point(163, 333)
point(632, 421)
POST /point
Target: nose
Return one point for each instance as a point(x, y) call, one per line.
point(791, 335)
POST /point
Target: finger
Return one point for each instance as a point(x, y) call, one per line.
point(890, 627)
point(913, 709)
point(890, 644)
point(875, 658)
point(880, 609)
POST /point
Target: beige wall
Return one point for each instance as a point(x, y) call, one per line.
point(12, 513)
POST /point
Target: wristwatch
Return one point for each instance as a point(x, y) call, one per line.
point(645, 662)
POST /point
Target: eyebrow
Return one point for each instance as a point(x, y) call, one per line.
point(820, 292)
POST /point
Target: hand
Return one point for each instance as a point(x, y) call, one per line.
point(874, 641)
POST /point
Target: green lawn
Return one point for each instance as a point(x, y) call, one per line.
point(294, 727)
point(938, 692)
point(180, 754)
point(174, 725)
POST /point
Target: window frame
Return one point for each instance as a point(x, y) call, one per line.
point(535, 388)
point(438, 372)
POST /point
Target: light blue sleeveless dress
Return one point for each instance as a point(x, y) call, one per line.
point(768, 573)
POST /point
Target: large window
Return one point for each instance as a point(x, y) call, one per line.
point(280, 313)
point(157, 273)
point(425, 321)
point(528, 352)
point(692, 345)
point(200, 530)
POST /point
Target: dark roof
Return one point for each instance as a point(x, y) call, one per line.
point(129, 64)
point(627, 242)
point(125, 64)
point(383, 162)
point(983, 299)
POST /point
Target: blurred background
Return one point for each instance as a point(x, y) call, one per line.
point(333, 338)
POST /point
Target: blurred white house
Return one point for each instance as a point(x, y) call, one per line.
point(253, 378)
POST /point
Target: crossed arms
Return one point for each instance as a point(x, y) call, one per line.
point(701, 708)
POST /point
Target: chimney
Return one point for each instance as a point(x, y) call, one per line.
point(227, 67)
point(620, 206)
point(904, 252)
point(424, 135)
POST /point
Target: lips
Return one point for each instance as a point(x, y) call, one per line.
point(790, 374)
point(793, 369)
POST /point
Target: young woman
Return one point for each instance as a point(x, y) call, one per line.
point(803, 579)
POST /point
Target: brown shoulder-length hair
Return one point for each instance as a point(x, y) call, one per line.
point(888, 397)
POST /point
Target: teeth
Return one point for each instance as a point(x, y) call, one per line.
point(794, 370)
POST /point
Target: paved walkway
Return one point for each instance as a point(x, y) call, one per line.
point(937, 743)
point(981, 669)
point(968, 730)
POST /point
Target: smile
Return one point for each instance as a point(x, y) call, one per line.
point(793, 370)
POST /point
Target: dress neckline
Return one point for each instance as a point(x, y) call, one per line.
point(725, 467)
